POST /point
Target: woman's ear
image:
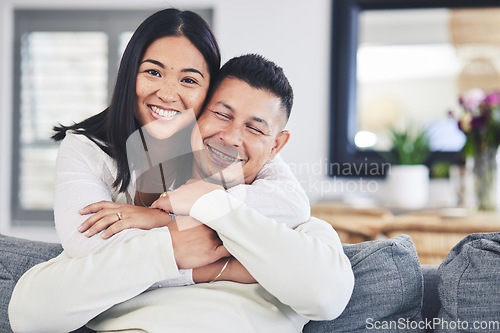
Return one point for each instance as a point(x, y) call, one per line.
point(279, 142)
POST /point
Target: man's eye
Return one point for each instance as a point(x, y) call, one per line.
point(255, 130)
point(221, 115)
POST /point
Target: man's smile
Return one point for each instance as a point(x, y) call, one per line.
point(222, 158)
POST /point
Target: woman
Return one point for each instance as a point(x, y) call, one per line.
point(92, 161)
point(162, 83)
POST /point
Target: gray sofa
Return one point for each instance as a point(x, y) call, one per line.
point(392, 293)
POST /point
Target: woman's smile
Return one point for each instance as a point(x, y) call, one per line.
point(163, 113)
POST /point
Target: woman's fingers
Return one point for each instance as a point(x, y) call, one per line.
point(89, 222)
point(95, 207)
point(123, 217)
point(96, 224)
point(100, 210)
point(116, 227)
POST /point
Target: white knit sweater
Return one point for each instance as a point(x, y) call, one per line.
point(302, 274)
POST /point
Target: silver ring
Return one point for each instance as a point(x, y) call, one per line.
point(119, 216)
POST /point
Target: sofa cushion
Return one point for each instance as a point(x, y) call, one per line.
point(388, 289)
point(16, 257)
point(469, 285)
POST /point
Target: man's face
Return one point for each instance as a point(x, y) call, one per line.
point(239, 130)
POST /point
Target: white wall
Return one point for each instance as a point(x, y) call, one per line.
point(290, 32)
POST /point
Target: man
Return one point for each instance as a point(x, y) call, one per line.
point(301, 274)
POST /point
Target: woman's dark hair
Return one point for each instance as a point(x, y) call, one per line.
point(111, 128)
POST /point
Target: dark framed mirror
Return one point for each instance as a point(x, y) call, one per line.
point(348, 158)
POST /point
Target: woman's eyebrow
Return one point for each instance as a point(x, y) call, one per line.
point(155, 62)
point(186, 70)
point(192, 70)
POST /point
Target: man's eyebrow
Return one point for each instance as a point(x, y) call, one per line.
point(186, 70)
point(253, 118)
point(260, 120)
point(225, 105)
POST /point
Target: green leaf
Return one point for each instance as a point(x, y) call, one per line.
point(408, 148)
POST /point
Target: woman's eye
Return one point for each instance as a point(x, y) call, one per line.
point(153, 72)
point(189, 80)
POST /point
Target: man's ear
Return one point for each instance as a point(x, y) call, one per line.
point(279, 142)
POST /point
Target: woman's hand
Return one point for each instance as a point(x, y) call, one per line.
point(180, 201)
point(116, 217)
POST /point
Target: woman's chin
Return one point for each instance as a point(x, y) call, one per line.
point(164, 128)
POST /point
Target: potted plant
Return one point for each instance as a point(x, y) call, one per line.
point(408, 178)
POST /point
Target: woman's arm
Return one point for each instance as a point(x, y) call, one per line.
point(42, 302)
point(304, 268)
point(84, 175)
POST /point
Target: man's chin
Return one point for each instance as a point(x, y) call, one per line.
point(226, 176)
point(225, 180)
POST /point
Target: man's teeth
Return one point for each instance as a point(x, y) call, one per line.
point(163, 113)
point(223, 156)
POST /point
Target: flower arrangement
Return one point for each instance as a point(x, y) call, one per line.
point(480, 120)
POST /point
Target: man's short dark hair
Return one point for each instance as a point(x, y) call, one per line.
point(260, 73)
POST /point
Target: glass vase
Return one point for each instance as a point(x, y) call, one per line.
point(485, 179)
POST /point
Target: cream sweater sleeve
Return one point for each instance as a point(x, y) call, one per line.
point(305, 267)
point(64, 293)
point(276, 193)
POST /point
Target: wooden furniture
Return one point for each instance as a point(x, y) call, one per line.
point(434, 232)
point(353, 225)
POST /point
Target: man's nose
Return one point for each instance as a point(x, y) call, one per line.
point(232, 135)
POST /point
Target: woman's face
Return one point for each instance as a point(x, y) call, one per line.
point(172, 83)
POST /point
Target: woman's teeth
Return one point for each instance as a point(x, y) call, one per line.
point(163, 113)
point(223, 156)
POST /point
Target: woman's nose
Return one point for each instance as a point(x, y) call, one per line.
point(168, 92)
